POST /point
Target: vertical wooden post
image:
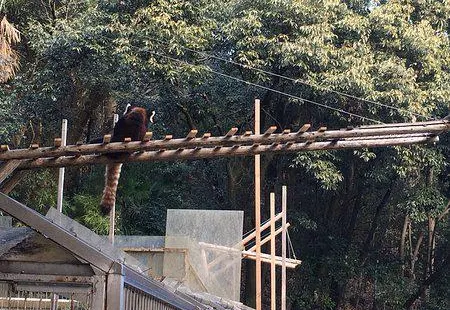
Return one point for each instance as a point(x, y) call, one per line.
point(258, 208)
point(273, 297)
point(283, 246)
point(112, 213)
point(59, 199)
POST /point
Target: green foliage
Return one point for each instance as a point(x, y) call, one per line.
point(321, 166)
point(38, 190)
point(85, 210)
point(85, 60)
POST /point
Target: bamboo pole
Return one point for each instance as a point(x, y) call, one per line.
point(258, 209)
point(272, 253)
point(267, 239)
point(263, 227)
point(189, 154)
point(283, 245)
point(77, 150)
point(59, 199)
point(290, 263)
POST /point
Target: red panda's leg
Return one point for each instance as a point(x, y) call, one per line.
point(112, 176)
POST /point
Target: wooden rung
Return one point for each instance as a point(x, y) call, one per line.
point(304, 128)
point(232, 132)
point(4, 148)
point(322, 129)
point(270, 130)
point(206, 135)
point(34, 146)
point(247, 133)
point(286, 131)
point(168, 137)
point(126, 140)
point(106, 139)
point(148, 136)
point(192, 134)
point(57, 142)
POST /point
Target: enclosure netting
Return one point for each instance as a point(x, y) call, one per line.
point(203, 248)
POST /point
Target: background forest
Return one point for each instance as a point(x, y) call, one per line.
point(371, 226)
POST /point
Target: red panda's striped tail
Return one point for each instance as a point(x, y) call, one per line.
point(112, 176)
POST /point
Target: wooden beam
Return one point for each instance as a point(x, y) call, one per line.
point(263, 227)
point(273, 282)
point(9, 184)
point(290, 263)
point(208, 141)
point(258, 210)
point(7, 168)
point(107, 139)
point(191, 154)
point(231, 132)
point(147, 137)
point(57, 142)
point(284, 226)
point(270, 130)
point(304, 128)
point(267, 239)
point(192, 134)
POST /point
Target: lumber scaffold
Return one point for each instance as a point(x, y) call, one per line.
point(207, 146)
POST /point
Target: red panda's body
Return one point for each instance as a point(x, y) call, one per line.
point(132, 125)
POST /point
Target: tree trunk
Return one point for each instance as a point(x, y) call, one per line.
point(371, 235)
point(403, 238)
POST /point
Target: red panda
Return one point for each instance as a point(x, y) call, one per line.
point(133, 124)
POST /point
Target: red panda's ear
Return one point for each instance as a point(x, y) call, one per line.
point(127, 109)
point(151, 115)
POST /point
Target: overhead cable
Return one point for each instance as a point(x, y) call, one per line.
point(293, 80)
point(271, 89)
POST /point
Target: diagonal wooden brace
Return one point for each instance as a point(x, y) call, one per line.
point(7, 168)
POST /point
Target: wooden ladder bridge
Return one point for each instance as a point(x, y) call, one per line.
point(206, 146)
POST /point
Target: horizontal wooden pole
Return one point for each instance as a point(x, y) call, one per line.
point(168, 144)
point(191, 154)
point(290, 263)
point(426, 123)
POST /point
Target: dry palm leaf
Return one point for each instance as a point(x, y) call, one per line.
point(9, 58)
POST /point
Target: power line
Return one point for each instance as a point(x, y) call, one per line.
point(271, 89)
point(294, 80)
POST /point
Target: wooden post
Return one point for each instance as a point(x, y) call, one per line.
point(112, 213)
point(273, 283)
point(59, 201)
point(283, 246)
point(258, 208)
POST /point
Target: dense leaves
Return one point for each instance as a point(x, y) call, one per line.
point(371, 226)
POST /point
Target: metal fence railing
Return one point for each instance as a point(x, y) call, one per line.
point(14, 296)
